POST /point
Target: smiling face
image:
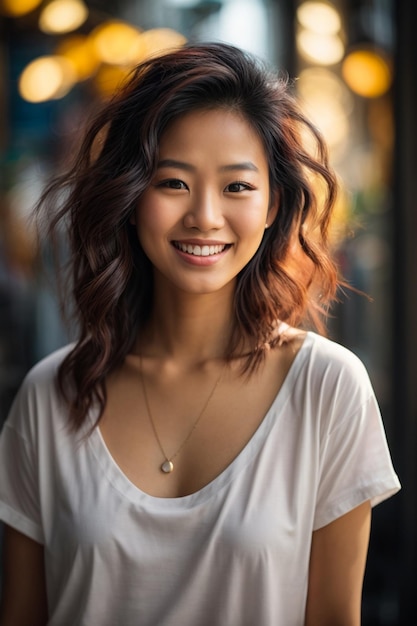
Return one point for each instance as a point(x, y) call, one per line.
point(203, 216)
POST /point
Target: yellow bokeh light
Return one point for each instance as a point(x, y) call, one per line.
point(367, 73)
point(16, 8)
point(319, 17)
point(319, 80)
point(158, 40)
point(78, 50)
point(62, 16)
point(328, 103)
point(46, 78)
point(321, 49)
point(109, 78)
point(117, 43)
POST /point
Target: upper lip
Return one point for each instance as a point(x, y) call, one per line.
point(201, 242)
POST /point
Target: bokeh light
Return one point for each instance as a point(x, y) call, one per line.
point(117, 43)
point(327, 102)
point(17, 8)
point(157, 40)
point(62, 16)
point(79, 51)
point(319, 17)
point(46, 78)
point(108, 78)
point(326, 49)
point(367, 73)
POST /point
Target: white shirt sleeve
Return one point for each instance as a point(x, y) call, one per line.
point(355, 463)
point(19, 492)
point(24, 442)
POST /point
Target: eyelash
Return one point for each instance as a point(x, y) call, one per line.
point(245, 186)
point(171, 182)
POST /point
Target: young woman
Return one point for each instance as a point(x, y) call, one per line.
point(195, 458)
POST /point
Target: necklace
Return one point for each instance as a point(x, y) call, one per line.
point(168, 466)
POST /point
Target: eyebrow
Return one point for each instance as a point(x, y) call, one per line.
point(245, 165)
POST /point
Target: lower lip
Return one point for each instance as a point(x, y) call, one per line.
point(200, 261)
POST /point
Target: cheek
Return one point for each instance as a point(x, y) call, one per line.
point(251, 221)
point(158, 214)
point(150, 218)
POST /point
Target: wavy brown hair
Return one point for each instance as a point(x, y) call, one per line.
point(291, 277)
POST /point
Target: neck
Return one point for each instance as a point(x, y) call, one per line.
point(192, 328)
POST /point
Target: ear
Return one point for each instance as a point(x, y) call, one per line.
point(132, 218)
point(273, 209)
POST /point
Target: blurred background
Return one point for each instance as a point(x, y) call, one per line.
point(352, 66)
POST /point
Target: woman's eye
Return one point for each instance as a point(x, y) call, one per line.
point(237, 186)
point(173, 183)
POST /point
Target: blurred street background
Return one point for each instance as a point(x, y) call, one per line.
point(352, 63)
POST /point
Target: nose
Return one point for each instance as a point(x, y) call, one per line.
point(205, 212)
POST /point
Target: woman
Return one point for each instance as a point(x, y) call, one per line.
point(202, 460)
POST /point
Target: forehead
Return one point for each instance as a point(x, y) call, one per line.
point(220, 131)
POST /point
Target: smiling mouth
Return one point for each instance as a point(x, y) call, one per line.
point(206, 250)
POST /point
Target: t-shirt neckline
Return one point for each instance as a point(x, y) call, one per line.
point(240, 463)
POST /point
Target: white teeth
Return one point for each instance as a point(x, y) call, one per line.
point(199, 250)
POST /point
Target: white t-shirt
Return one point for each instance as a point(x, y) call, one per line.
point(235, 553)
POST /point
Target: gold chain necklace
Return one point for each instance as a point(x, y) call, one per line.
point(168, 465)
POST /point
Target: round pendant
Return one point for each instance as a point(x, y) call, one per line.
point(167, 467)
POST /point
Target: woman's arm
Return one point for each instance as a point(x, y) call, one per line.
point(23, 601)
point(337, 567)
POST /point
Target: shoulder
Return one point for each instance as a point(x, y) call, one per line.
point(326, 352)
point(322, 355)
point(44, 372)
point(333, 374)
point(38, 394)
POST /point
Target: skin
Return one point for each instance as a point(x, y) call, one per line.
point(337, 567)
point(211, 188)
point(24, 591)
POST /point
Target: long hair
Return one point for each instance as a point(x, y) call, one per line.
point(291, 278)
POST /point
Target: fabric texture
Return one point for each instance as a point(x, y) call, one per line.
point(236, 552)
